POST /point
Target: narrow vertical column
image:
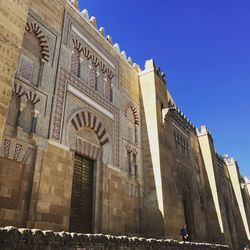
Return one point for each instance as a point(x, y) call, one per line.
point(34, 121)
point(41, 68)
point(21, 108)
point(234, 178)
point(92, 77)
point(136, 133)
point(35, 188)
point(129, 162)
point(107, 88)
point(75, 63)
point(135, 165)
point(111, 92)
point(207, 150)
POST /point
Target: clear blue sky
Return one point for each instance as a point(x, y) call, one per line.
point(203, 46)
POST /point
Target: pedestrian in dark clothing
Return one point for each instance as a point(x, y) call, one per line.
point(184, 233)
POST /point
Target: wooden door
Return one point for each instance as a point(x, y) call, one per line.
point(82, 196)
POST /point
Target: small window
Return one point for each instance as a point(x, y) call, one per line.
point(130, 134)
point(129, 163)
point(25, 69)
point(136, 170)
point(135, 165)
point(136, 133)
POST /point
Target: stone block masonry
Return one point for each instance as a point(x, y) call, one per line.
point(12, 238)
point(13, 15)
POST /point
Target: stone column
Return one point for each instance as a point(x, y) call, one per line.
point(34, 121)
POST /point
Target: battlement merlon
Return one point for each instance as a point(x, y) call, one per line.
point(91, 20)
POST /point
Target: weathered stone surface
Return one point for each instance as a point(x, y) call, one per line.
point(76, 98)
point(13, 16)
point(23, 238)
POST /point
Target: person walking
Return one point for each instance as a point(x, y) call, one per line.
point(184, 233)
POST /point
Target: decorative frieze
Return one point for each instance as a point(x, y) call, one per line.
point(87, 149)
point(94, 59)
point(17, 150)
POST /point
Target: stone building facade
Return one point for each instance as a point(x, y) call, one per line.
point(91, 143)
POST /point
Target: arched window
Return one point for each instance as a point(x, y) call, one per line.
point(91, 70)
point(135, 164)
point(34, 53)
point(15, 105)
point(132, 123)
point(129, 162)
point(84, 69)
point(26, 117)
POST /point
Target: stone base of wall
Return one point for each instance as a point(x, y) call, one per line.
point(12, 238)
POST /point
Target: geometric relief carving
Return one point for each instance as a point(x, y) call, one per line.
point(130, 134)
point(88, 119)
point(6, 148)
point(65, 78)
point(25, 68)
point(34, 28)
point(18, 89)
point(17, 150)
point(32, 97)
point(131, 149)
point(131, 107)
point(94, 72)
point(87, 149)
point(97, 63)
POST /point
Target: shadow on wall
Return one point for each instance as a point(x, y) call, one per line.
point(215, 234)
point(153, 221)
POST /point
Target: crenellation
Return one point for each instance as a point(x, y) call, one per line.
point(123, 54)
point(109, 39)
point(93, 21)
point(102, 31)
point(117, 48)
point(129, 60)
point(85, 13)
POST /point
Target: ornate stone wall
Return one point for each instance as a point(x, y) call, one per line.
point(74, 92)
point(12, 24)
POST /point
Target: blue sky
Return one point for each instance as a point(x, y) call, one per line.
point(204, 49)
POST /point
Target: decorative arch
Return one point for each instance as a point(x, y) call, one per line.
point(86, 118)
point(32, 97)
point(130, 105)
point(94, 59)
point(18, 89)
point(33, 27)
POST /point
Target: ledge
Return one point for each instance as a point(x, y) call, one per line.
point(24, 238)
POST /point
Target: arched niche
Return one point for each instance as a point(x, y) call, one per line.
point(87, 134)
